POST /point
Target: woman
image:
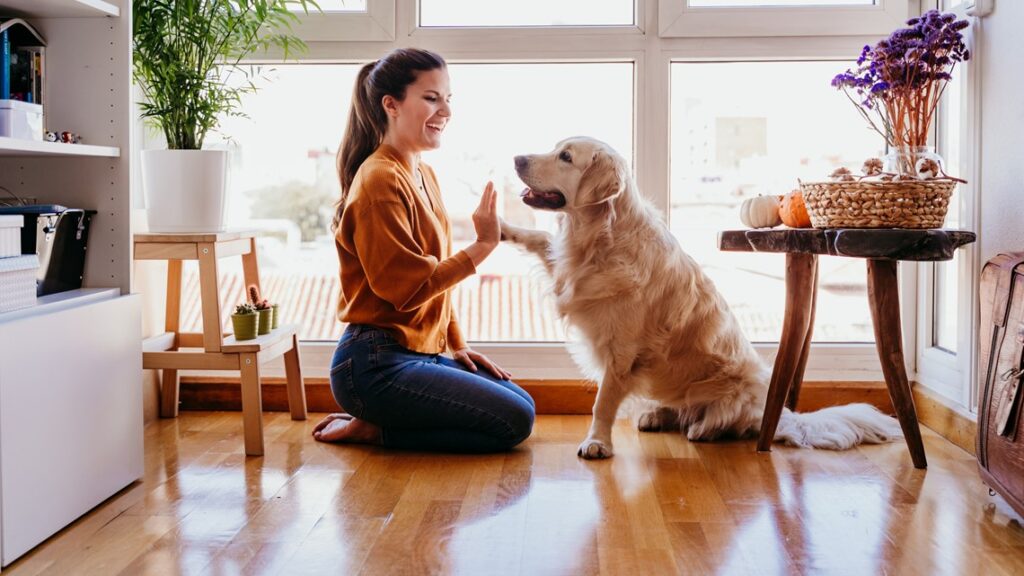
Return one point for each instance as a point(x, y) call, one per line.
point(397, 271)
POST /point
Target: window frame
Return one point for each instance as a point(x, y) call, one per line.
point(678, 19)
point(953, 375)
point(377, 23)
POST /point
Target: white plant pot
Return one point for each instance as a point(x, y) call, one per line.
point(185, 189)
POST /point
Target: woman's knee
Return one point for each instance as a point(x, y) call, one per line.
point(520, 418)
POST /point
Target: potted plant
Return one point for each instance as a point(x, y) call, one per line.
point(896, 87)
point(263, 308)
point(188, 65)
point(897, 84)
point(245, 321)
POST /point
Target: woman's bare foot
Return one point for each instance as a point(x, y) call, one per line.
point(345, 428)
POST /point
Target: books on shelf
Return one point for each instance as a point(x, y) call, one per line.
point(22, 62)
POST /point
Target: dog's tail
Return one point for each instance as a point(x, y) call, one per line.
point(837, 427)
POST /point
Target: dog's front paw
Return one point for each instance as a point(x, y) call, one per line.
point(508, 231)
point(592, 449)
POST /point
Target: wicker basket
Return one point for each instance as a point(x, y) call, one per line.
point(877, 204)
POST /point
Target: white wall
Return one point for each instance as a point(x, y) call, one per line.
point(1002, 130)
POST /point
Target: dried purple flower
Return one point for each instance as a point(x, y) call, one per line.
point(897, 84)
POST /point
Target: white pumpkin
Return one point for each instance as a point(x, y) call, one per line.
point(760, 212)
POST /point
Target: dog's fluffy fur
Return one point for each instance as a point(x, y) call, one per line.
point(651, 322)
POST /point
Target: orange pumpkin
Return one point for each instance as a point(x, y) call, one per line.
point(793, 210)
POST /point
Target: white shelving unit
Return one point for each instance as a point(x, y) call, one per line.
point(16, 147)
point(71, 366)
point(61, 8)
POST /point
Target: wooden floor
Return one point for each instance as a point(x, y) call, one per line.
point(660, 506)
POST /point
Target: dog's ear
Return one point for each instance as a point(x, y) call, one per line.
point(603, 180)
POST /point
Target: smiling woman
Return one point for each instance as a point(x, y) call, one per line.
point(397, 268)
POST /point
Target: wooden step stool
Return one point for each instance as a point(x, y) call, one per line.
point(219, 351)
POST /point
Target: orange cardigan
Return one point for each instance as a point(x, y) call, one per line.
point(397, 267)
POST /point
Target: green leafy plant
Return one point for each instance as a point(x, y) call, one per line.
point(186, 51)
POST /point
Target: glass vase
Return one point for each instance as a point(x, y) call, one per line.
point(912, 162)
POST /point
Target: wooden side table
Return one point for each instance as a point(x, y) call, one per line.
point(882, 249)
point(219, 351)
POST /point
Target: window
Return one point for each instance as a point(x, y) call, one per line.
point(708, 121)
point(340, 5)
point(507, 299)
point(765, 3)
point(705, 18)
point(348, 20)
point(459, 13)
point(739, 132)
point(283, 182)
point(947, 291)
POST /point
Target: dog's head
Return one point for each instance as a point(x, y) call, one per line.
point(580, 172)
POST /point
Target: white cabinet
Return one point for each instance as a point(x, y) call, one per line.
point(71, 367)
point(70, 413)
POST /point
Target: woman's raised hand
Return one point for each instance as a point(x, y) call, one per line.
point(485, 217)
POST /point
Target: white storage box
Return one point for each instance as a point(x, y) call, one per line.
point(10, 235)
point(18, 282)
point(22, 120)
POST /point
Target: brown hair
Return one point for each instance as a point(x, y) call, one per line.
point(367, 122)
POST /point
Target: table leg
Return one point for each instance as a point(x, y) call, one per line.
point(296, 389)
point(209, 295)
point(172, 323)
point(883, 296)
point(252, 404)
point(798, 378)
point(800, 277)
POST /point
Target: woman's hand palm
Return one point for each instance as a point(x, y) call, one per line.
point(485, 217)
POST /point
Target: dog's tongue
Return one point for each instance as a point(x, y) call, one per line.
point(539, 199)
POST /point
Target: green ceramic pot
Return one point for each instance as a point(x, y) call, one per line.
point(266, 318)
point(245, 325)
point(277, 316)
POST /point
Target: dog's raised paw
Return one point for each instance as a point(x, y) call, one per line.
point(507, 231)
point(594, 450)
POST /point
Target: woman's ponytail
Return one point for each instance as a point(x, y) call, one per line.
point(362, 136)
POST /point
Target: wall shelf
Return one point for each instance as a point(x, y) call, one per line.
point(18, 147)
point(59, 8)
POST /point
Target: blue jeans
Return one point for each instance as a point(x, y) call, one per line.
point(426, 401)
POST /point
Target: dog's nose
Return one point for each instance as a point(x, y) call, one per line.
point(521, 162)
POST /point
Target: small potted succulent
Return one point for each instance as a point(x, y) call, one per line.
point(245, 321)
point(263, 309)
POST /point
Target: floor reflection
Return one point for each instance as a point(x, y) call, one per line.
point(662, 505)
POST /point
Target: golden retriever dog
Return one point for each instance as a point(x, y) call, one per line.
point(651, 323)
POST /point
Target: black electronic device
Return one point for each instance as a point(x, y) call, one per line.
point(58, 235)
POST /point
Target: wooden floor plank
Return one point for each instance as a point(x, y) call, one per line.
point(662, 505)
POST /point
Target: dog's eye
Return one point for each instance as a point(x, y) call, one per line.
point(565, 157)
